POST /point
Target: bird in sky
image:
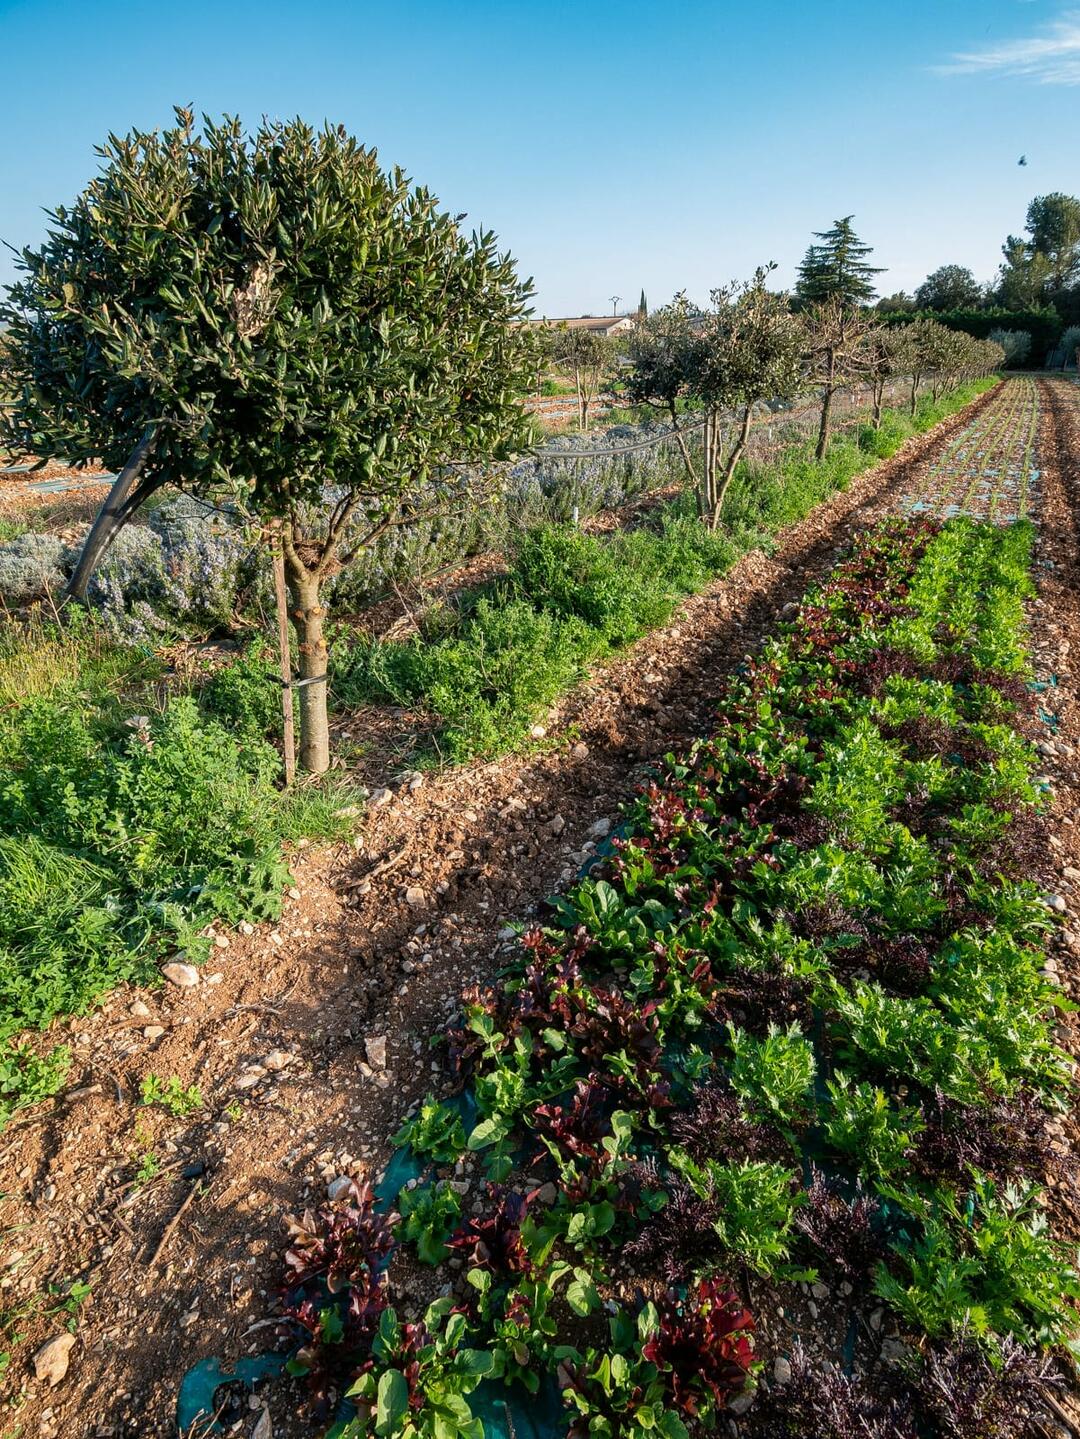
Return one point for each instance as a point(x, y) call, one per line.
point(1022, 160)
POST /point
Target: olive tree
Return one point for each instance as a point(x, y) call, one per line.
point(749, 352)
point(744, 349)
point(1015, 343)
point(835, 354)
point(921, 347)
point(588, 357)
point(662, 351)
point(277, 320)
point(882, 359)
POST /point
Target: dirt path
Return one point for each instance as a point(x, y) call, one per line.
point(307, 1041)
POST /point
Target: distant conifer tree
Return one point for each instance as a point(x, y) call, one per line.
point(836, 269)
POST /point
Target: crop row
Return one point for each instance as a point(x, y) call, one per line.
point(793, 1030)
point(987, 469)
point(489, 665)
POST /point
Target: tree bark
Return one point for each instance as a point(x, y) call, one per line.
point(120, 503)
point(308, 616)
point(914, 392)
point(680, 440)
point(285, 659)
point(829, 388)
point(708, 470)
point(825, 424)
point(879, 396)
point(730, 465)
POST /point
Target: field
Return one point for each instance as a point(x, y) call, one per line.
point(796, 1021)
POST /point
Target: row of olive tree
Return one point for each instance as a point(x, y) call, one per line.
point(750, 346)
point(275, 322)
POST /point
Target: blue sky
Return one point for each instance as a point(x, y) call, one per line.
point(611, 146)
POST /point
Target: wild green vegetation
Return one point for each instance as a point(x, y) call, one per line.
point(132, 814)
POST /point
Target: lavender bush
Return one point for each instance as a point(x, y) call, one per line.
point(187, 564)
point(30, 567)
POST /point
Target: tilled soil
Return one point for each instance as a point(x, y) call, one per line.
point(284, 1034)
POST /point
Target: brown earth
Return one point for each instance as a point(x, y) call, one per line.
point(377, 939)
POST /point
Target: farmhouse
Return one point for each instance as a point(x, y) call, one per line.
point(598, 324)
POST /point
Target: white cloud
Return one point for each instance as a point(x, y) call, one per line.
point(1050, 57)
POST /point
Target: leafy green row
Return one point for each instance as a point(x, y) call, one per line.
point(795, 1025)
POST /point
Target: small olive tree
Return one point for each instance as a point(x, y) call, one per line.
point(835, 354)
point(275, 319)
point(588, 357)
point(920, 348)
point(744, 349)
point(749, 352)
point(1015, 343)
point(882, 360)
point(662, 351)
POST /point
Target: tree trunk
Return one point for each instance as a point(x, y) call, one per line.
point(307, 617)
point(680, 440)
point(825, 423)
point(119, 504)
point(879, 397)
point(914, 392)
point(708, 470)
point(730, 465)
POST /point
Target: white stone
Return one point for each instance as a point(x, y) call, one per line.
point(185, 976)
point(51, 1360)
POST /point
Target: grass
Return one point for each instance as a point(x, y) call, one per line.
point(490, 666)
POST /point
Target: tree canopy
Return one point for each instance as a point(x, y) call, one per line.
point(950, 287)
point(745, 348)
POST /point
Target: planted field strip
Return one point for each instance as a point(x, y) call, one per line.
point(792, 1028)
point(987, 468)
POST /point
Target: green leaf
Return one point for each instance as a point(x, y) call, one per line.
point(671, 1426)
point(648, 1322)
point(581, 1293)
point(488, 1131)
point(474, 1361)
point(392, 1401)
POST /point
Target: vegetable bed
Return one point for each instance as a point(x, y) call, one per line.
point(793, 1031)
